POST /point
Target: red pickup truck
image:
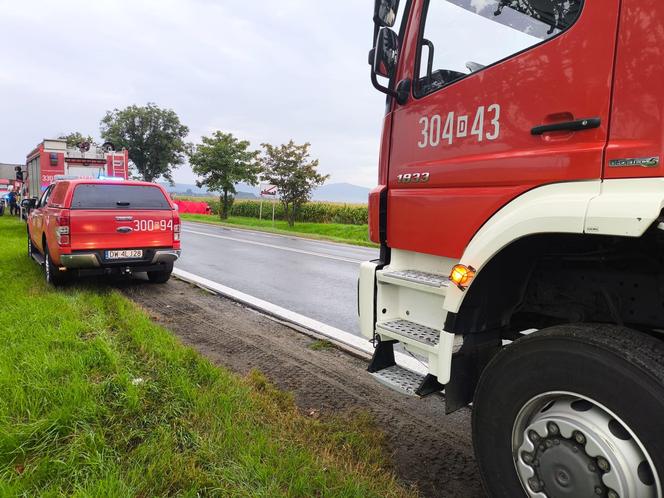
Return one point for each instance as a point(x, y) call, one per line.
point(97, 227)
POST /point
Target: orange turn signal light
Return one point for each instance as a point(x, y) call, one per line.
point(461, 275)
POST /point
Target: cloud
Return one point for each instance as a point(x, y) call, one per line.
point(267, 71)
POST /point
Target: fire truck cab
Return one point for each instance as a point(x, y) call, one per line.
point(53, 159)
point(519, 212)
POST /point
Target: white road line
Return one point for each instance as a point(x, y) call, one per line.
point(272, 246)
point(345, 339)
point(323, 243)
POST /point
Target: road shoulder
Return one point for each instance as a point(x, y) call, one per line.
point(431, 450)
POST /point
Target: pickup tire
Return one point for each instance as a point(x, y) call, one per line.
point(161, 276)
point(51, 271)
point(574, 410)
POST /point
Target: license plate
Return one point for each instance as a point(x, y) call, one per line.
point(124, 254)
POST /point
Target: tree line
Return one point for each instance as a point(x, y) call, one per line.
point(156, 141)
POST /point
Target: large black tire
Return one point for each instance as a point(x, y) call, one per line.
point(162, 276)
point(620, 369)
point(51, 272)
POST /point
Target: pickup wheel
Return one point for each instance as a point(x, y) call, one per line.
point(161, 276)
point(53, 275)
point(574, 410)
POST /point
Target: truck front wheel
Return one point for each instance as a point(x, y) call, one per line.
point(573, 411)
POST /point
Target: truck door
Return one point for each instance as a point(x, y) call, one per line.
point(505, 96)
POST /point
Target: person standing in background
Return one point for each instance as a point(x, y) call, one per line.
point(13, 203)
point(19, 173)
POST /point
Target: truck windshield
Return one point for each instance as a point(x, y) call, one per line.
point(539, 18)
point(94, 196)
point(462, 37)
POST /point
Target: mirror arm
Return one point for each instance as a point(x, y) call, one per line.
point(381, 88)
point(400, 95)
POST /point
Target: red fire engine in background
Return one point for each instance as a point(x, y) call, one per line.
point(520, 217)
point(52, 158)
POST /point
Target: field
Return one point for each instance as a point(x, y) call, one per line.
point(309, 212)
point(97, 400)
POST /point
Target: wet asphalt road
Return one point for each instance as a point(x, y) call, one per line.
point(315, 279)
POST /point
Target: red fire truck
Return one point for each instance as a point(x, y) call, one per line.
point(519, 213)
point(52, 159)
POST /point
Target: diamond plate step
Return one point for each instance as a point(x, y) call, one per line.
point(419, 277)
point(410, 330)
point(399, 379)
point(419, 280)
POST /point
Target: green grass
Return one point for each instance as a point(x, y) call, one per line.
point(335, 232)
point(96, 400)
point(321, 345)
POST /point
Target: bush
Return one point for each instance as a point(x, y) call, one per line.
point(314, 212)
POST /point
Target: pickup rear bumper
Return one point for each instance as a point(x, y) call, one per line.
point(92, 260)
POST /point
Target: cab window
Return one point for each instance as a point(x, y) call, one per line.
point(57, 196)
point(44, 198)
point(462, 37)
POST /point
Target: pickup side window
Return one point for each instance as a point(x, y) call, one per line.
point(57, 197)
point(99, 196)
point(462, 37)
point(44, 198)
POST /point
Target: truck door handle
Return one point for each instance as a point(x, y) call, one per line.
point(575, 125)
point(124, 229)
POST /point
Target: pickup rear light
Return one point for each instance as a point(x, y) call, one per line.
point(62, 228)
point(176, 228)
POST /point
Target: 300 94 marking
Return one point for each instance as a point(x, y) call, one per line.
point(152, 225)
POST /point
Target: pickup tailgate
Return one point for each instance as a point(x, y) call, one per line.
point(118, 216)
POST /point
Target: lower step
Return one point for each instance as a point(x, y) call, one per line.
point(399, 379)
point(38, 257)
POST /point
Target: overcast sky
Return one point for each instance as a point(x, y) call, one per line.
point(267, 71)
point(264, 70)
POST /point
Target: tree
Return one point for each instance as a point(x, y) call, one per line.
point(74, 138)
point(153, 136)
point(223, 161)
point(288, 168)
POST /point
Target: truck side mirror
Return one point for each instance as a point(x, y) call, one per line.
point(28, 203)
point(386, 53)
point(385, 13)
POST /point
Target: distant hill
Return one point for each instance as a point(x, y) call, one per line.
point(193, 190)
point(332, 192)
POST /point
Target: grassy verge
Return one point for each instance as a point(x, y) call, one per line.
point(335, 232)
point(96, 400)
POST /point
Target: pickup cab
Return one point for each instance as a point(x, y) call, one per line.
point(100, 227)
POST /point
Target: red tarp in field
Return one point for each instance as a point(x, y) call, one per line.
point(193, 207)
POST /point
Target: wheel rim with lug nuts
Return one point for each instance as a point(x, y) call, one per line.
point(565, 444)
